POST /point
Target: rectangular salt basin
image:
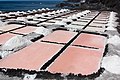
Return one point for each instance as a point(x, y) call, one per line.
point(64, 16)
point(40, 19)
point(91, 17)
point(90, 40)
point(95, 29)
point(43, 17)
point(92, 14)
point(77, 60)
point(59, 36)
point(71, 26)
point(97, 25)
point(100, 22)
point(5, 37)
point(80, 23)
point(46, 24)
point(32, 57)
point(58, 18)
point(82, 20)
point(88, 17)
point(32, 22)
point(103, 15)
point(53, 20)
point(100, 17)
point(25, 30)
point(10, 27)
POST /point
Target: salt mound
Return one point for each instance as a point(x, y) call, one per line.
point(2, 23)
point(112, 64)
point(37, 15)
point(66, 20)
point(43, 14)
point(43, 9)
point(4, 53)
point(111, 28)
point(73, 26)
point(15, 42)
point(42, 30)
point(112, 24)
point(30, 17)
point(74, 17)
point(70, 18)
point(47, 9)
point(29, 77)
point(60, 23)
point(39, 9)
point(115, 40)
point(21, 19)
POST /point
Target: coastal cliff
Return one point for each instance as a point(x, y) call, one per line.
point(92, 4)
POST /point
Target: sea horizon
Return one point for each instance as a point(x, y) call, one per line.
point(27, 5)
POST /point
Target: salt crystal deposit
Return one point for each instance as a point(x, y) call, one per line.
point(60, 23)
point(112, 64)
point(111, 28)
point(43, 31)
point(2, 23)
point(115, 40)
point(29, 77)
point(16, 43)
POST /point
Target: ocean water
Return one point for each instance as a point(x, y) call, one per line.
point(26, 5)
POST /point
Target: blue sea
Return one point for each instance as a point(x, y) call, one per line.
point(26, 5)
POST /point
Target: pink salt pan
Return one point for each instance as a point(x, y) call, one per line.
point(78, 61)
point(25, 30)
point(10, 27)
point(32, 57)
point(60, 36)
point(5, 37)
point(90, 40)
